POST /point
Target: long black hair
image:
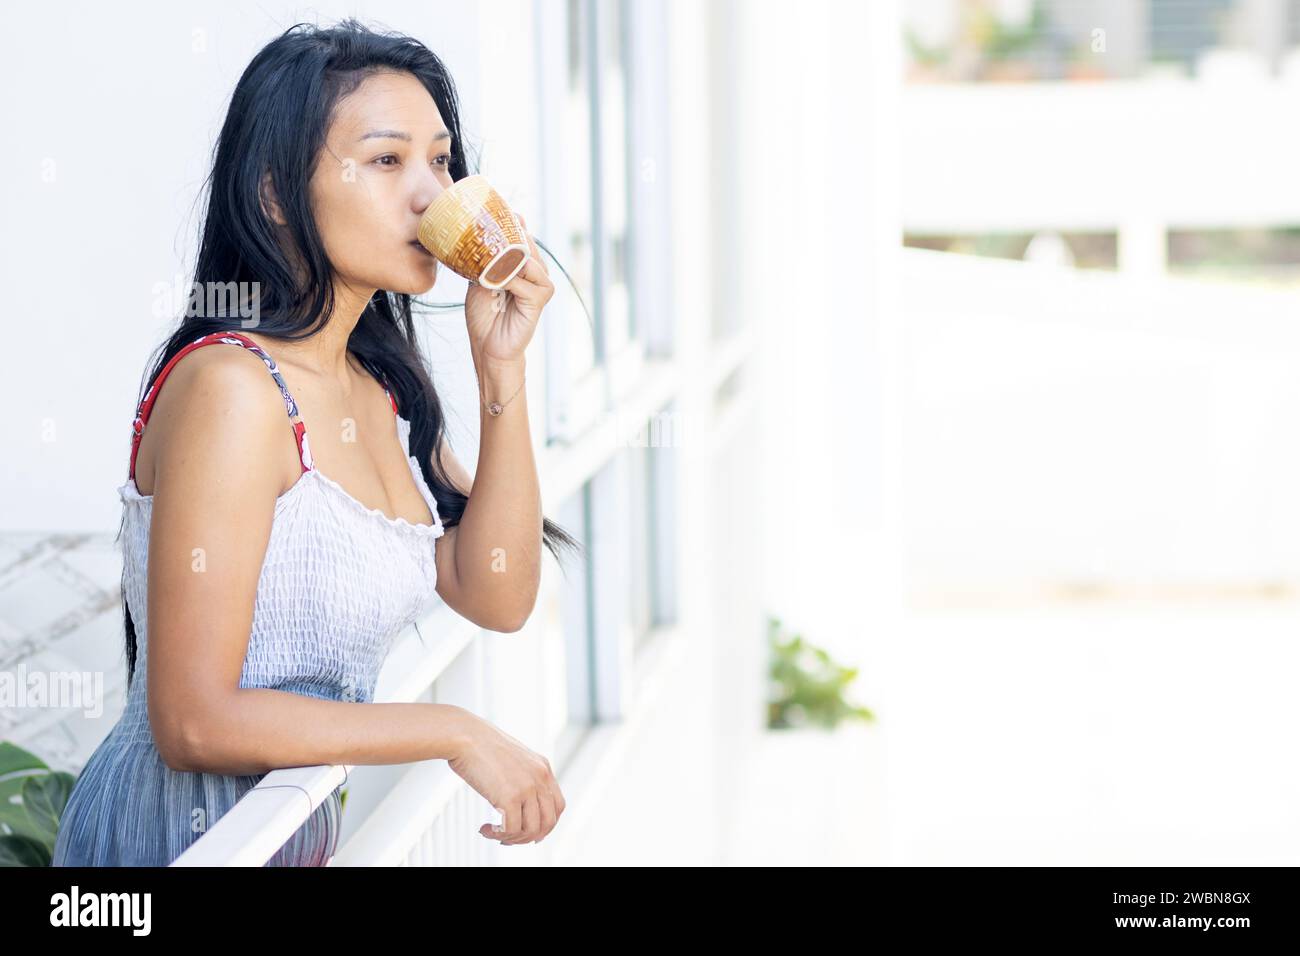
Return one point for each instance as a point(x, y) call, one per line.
point(276, 124)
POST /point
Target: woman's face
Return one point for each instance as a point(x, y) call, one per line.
point(386, 157)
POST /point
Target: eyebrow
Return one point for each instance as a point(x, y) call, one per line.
point(400, 134)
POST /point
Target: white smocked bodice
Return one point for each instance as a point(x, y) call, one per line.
point(338, 583)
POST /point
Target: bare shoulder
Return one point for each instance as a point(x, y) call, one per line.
point(221, 437)
point(219, 405)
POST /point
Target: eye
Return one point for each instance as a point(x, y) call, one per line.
point(439, 161)
point(386, 156)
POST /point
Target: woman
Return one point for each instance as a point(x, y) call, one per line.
point(267, 569)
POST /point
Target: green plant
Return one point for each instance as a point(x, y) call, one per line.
point(807, 686)
point(32, 798)
point(1003, 42)
point(922, 54)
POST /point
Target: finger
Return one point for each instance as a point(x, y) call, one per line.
point(536, 254)
point(491, 829)
point(514, 820)
point(534, 270)
point(532, 822)
point(532, 283)
point(550, 816)
point(508, 827)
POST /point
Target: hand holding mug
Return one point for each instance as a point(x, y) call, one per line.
point(471, 230)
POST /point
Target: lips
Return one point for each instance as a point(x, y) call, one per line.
point(415, 244)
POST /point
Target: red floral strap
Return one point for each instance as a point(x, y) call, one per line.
point(230, 338)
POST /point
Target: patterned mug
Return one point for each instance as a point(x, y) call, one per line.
point(470, 229)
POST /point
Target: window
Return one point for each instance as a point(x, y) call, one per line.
point(586, 59)
point(578, 627)
point(602, 76)
point(611, 114)
point(625, 590)
point(651, 467)
point(578, 174)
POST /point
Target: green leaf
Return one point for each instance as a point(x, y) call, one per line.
point(14, 759)
point(16, 850)
point(806, 685)
point(16, 766)
point(44, 798)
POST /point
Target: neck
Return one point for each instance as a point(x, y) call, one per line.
point(325, 354)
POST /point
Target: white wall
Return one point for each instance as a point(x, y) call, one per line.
point(109, 134)
point(1085, 426)
point(993, 156)
point(822, 155)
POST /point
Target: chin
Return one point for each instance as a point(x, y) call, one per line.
point(417, 285)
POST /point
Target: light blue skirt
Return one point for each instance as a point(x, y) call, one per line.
point(128, 808)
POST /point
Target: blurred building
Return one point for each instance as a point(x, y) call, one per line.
point(1101, 535)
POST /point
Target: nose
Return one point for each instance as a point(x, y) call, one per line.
point(429, 190)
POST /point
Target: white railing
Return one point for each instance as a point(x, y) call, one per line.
point(257, 826)
point(430, 818)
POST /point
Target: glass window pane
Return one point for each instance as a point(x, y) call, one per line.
point(640, 560)
point(613, 87)
point(575, 515)
point(578, 185)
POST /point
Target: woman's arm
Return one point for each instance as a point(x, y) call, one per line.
point(489, 565)
point(224, 448)
point(256, 730)
point(494, 560)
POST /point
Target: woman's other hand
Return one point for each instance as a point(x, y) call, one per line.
point(514, 779)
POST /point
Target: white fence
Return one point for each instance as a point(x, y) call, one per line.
point(1136, 157)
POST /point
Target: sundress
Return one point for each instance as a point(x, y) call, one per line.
point(339, 582)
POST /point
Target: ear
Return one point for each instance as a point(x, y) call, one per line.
point(270, 204)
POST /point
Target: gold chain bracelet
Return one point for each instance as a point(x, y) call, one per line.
point(495, 408)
